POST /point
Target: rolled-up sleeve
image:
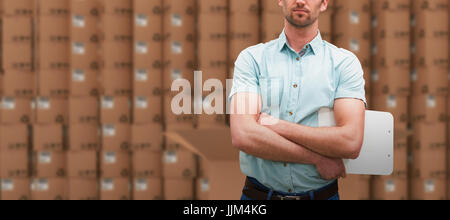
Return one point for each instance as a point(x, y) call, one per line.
point(246, 74)
point(351, 81)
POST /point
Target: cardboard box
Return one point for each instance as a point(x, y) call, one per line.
point(429, 151)
point(115, 109)
point(16, 29)
point(225, 177)
point(273, 24)
point(84, 83)
point(85, 7)
point(52, 110)
point(85, 28)
point(53, 7)
point(15, 189)
point(428, 189)
point(391, 6)
point(115, 164)
point(49, 189)
point(354, 187)
point(389, 188)
point(213, 64)
point(425, 5)
point(250, 6)
point(14, 138)
point(176, 121)
point(19, 56)
point(16, 110)
point(14, 164)
point(53, 55)
point(179, 164)
point(148, 27)
point(212, 7)
point(147, 164)
point(429, 81)
point(85, 55)
point(116, 83)
point(178, 189)
point(53, 83)
point(115, 189)
point(52, 28)
point(428, 109)
point(18, 7)
point(84, 137)
point(116, 28)
point(147, 137)
point(83, 110)
point(397, 105)
point(173, 72)
point(83, 189)
point(82, 164)
point(148, 54)
point(116, 137)
point(390, 80)
point(153, 7)
point(115, 7)
point(147, 109)
point(116, 56)
point(401, 155)
point(148, 189)
point(48, 164)
point(42, 141)
point(147, 82)
point(243, 33)
point(19, 84)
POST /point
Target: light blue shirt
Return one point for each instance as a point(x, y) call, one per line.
point(298, 85)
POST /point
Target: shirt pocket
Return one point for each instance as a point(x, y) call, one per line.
point(271, 93)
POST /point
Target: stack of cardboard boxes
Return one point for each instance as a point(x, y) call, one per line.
point(115, 116)
point(179, 19)
point(146, 135)
point(212, 55)
point(179, 60)
point(351, 30)
point(390, 86)
point(243, 28)
point(428, 175)
point(52, 67)
point(272, 20)
point(83, 139)
point(17, 91)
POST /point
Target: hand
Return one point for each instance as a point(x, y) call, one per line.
point(267, 120)
point(330, 169)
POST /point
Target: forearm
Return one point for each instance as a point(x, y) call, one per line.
point(328, 141)
point(264, 143)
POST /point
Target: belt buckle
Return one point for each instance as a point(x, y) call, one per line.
point(291, 198)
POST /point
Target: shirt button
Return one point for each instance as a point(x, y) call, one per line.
point(291, 113)
point(298, 58)
point(285, 164)
point(295, 86)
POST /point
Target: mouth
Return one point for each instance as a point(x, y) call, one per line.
point(301, 11)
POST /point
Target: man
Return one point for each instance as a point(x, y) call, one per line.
point(292, 158)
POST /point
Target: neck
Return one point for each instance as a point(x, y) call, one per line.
point(299, 37)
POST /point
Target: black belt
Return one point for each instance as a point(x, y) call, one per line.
point(252, 191)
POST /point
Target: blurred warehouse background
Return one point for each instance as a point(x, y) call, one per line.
point(85, 93)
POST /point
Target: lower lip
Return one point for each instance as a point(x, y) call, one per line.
point(300, 12)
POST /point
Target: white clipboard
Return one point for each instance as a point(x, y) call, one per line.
point(377, 153)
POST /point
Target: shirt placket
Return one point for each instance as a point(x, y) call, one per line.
point(294, 86)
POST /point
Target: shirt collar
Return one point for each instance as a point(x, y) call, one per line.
point(315, 44)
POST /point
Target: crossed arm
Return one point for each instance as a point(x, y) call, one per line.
point(289, 142)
